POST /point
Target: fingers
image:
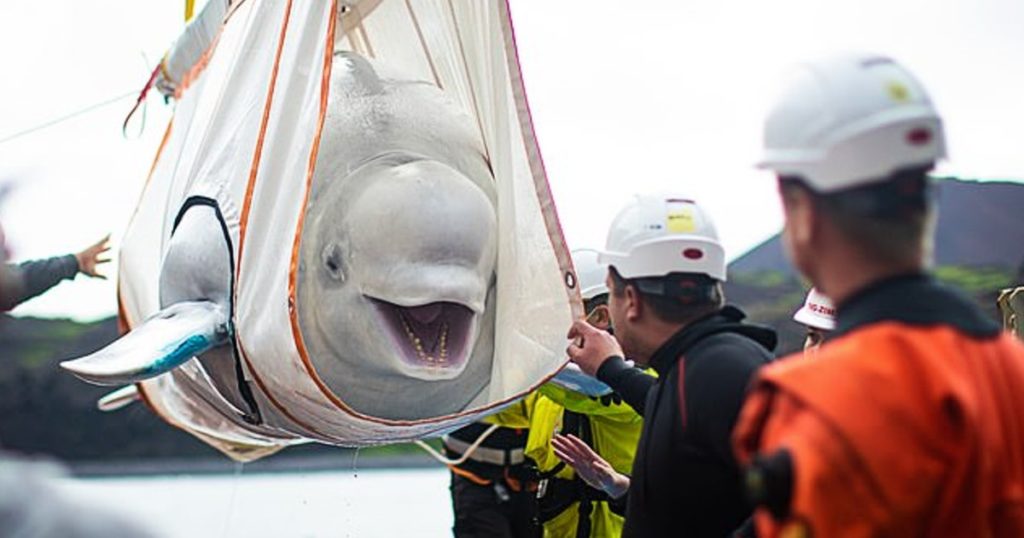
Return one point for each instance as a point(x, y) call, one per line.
point(577, 333)
point(99, 247)
point(580, 328)
point(603, 466)
point(594, 470)
point(559, 442)
point(564, 451)
point(581, 447)
point(563, 443)
point(573, 350)
point(92, 272)
point(566, 457)
point(98, 261)
point(575, 448)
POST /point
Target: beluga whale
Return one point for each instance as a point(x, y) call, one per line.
point(397, 259)
point(338, 242)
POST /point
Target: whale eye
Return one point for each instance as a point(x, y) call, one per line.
point(331, 257)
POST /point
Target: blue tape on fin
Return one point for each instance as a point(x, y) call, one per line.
point(183, 352)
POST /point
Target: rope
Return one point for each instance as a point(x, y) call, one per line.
point(66, 117)
point(142, 97)
point(423, 43)
point(469, 451)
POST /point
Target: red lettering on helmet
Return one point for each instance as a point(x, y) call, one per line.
point(819, 309)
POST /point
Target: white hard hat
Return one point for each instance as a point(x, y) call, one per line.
point(848, 120)
point(817, 312)
point(590, 273)
point(657, 235)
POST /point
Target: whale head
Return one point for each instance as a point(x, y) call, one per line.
point(399, 276)
point(395, 291)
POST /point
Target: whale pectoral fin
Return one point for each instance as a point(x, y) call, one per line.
point(118, 399)
point(163, 342)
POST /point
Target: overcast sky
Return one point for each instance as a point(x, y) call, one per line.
point(627, 97)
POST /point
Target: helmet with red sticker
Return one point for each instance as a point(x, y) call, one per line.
point(850, 120)
point(655, 236)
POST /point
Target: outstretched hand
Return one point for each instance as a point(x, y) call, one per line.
point(90, 258)
point(591, 346)
point(591, 467)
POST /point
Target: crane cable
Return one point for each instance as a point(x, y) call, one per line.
point(66, 117)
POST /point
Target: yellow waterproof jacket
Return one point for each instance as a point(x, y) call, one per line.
point(513, 417)
point(516, 416)
point(615, 431)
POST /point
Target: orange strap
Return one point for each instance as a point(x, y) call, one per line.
point(513, 483)
point(517, 485)
point(469, 476)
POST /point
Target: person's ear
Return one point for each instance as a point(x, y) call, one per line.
point(599, 317)
point(801, 217)
point(634, 306)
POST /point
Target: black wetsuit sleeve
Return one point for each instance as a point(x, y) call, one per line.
point(35, 277)
point(631, 383)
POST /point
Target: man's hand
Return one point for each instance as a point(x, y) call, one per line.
point(591, 467)
point(89, 258)
point(591, 346)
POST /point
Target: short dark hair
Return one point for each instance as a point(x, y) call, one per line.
point(675, 297)
point(886, 219)
point(594, 302)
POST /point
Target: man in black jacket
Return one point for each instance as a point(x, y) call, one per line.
point(666, 269)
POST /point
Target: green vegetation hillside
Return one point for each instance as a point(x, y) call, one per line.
point(771, 297)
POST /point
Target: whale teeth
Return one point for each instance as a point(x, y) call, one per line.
point(444, 343)
point(417, 343)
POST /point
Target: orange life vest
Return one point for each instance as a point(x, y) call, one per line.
point(902, 426)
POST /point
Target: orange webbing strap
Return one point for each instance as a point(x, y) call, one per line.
point(513, 483)
point(469, 476)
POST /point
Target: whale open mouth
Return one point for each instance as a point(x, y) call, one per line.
point(434, 335)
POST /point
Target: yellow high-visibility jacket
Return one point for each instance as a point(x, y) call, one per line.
point(615, 431)
point(515, 416)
